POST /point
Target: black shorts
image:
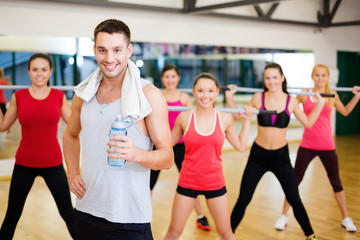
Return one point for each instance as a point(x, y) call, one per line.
point(194, 193)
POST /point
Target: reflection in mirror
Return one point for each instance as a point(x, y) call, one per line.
point(74, 61)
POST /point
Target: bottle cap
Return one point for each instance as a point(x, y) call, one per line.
point(122, 123)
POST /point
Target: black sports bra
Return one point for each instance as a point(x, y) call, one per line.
point(280, 120)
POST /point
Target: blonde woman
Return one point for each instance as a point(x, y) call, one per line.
point(318, 141)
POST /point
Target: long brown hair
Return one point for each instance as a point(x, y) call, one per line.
point(278, 67)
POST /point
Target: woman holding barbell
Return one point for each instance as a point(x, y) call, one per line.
point(270, 150)
point(204, 130)
point(318, 141)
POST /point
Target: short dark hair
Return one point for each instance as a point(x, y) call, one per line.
point(170, 67)
point(40, 55)
point(113, 26)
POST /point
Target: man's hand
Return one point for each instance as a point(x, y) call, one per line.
point(77, 186)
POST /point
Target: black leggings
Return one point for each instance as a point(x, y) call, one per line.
point(278, 162)
point(328, 158)
point(3, 108)
point(179, 153)
point(21, 183)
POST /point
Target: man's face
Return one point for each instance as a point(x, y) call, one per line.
point(112, 52)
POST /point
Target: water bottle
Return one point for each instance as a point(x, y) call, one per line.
point(119, 127)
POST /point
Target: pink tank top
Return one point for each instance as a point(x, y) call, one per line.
point(202, 165)
point(319, 136)
point(173, 115)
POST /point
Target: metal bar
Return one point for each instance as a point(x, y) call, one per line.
point(335, 8)
point(239, 89)
point(227, 110)
point(247, 89)
point(17, 87)
point(342, 24)
point(336, 89)
point(272, 10)
point(231, 4)
point(269, 20)
point(259, 11)
point(120, 5)
point(239, 110)
point(186, 90)
point(342, 89)
point(208, 9)
point(188, 5)
point(326, 14)
point(244, 89)
point(254, 90)
point(312, 94)
point(179, 109)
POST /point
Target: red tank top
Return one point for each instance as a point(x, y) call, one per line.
point(202, 166)
point(39, 146)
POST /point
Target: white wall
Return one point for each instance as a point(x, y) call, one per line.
point(48, 20)
point(67, 20)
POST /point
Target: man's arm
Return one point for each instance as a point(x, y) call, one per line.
point(157, 124)
point(71, 143)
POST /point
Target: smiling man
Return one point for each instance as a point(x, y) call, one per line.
point(114, 202)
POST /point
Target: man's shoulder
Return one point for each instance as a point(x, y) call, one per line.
point(145, 82)
point(154, 96)
point(149, 87)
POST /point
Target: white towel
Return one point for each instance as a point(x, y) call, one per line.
point(133, 101)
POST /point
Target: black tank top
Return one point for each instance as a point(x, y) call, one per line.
point(280, 120)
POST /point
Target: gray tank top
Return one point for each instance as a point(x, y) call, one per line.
point(118, 194)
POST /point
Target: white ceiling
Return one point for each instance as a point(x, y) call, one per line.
point(314, 13)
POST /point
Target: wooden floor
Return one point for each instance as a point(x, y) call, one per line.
point(41, 221)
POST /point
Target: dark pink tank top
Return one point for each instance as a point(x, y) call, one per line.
point(319, 136)
point(173, 115)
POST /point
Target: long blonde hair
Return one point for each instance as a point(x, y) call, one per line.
point(327, 86)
